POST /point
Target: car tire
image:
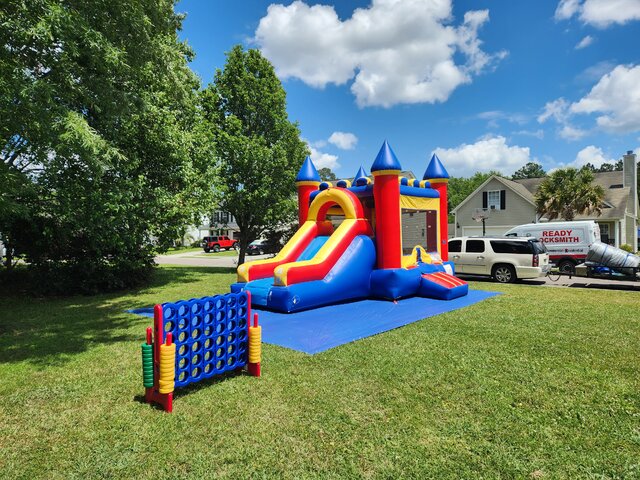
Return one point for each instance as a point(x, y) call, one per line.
point(504, 273)
point(216, 248)
point(567, 266)
point(261, 252)
point(206, 250)
point(235, 246)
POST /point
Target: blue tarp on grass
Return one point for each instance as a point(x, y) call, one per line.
point(317, 330)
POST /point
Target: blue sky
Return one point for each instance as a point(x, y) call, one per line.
point(486, 85)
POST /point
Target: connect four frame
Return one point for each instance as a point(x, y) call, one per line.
point(197, 339)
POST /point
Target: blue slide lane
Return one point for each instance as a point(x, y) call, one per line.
point(347, 280)
point(314, 246)
point(260, 288)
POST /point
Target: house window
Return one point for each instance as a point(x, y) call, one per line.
point(493, 199)
point(604, 232)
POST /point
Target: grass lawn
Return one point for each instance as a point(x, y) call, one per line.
point(221, 253)
point(536, 383)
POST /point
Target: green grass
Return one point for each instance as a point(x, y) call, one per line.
point(221, 253)
point(539, 382)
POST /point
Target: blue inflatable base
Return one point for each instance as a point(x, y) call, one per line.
point(314, 331)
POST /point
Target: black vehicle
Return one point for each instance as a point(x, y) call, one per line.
point(260, 247)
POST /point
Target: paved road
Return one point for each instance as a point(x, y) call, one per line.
point(573, 282)
point(200, 259)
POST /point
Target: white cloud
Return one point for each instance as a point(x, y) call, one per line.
point(557, 110)
point(322, 159)
point(539, 134)
point(617, 98)
point(595, 72)
point(394, 51)
point(493, 116)
point(343, 140)
point(489, 153)
point(593, 155)
point(585, 42)
point(571, 133)
point(560, 111)
point(567, 9)
point(599, 13)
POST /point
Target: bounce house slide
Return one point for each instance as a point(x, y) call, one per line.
point(346, 279)
point(442, 285)
point(319, 265)
point(309, 255)
point(291, 252)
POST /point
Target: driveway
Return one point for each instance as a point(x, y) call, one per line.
point(571, 282)
point(201, 259)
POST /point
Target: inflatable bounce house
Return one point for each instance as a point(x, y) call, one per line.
point(350, 242)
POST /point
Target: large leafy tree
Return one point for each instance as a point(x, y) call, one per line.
point(258, 149)
point(327, 175)
point(99, 137)
point(530, 170)
point(568, 192)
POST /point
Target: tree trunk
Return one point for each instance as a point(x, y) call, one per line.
point(244, 243)
point(8, 263)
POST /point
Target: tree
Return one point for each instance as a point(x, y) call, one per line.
point(258, 150)
point(530, 170)
point(99, 138)
point(327, 175)
point(460, 187)
point(568, 192)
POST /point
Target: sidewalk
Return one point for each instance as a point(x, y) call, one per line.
point(201, 259)
point(573, 282)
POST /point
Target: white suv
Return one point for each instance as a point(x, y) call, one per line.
point(504, 259)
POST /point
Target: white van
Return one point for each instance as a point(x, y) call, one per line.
point(566, 242)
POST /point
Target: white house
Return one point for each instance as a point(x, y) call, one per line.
point(511, 203)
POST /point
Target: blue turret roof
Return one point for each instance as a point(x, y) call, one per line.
point(308, 172)
point(361, 174)
point(386, 159)
point(435, 169)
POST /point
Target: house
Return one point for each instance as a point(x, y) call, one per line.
point(510, 203)
point(218, 223)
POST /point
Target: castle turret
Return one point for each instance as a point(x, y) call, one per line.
point(361, 178)
point(307, 181)
point(438, 176)
point(386, 192)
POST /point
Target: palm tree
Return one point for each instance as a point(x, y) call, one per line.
point(568, 192)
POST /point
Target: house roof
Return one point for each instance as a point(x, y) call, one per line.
point(513, 186)
point(615, 199)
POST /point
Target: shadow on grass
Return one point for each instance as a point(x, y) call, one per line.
point(195, 387)
point(49, 330)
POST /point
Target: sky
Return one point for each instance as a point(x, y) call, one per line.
point(487, 85)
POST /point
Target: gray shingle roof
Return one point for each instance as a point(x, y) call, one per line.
point(616, 197)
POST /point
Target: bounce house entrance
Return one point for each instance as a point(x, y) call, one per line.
point(419, 227)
